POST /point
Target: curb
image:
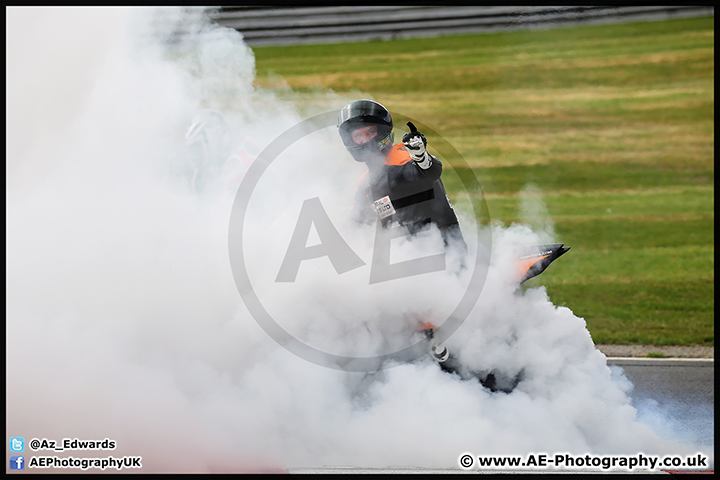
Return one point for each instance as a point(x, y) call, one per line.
point(666, 362)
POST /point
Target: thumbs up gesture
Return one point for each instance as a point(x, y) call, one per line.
point(416, 144)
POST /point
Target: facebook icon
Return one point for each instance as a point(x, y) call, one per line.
point(17, 462)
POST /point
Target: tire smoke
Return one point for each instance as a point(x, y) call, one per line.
point(124, 320)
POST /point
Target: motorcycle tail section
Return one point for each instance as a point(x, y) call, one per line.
point(537, 259)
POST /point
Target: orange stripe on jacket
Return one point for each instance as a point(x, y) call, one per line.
point(398, 155)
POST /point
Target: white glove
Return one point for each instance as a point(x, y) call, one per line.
point(416, 144)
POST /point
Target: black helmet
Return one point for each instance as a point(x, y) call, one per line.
point(362, 113)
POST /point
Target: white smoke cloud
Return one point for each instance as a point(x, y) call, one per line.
point(124, 320)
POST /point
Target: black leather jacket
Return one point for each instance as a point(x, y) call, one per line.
point(416, 196)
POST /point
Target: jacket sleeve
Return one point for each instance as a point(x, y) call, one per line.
point(409, 178)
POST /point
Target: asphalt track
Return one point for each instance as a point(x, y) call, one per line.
point(682, 390)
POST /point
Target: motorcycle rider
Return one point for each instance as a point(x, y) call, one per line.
point(402, 185)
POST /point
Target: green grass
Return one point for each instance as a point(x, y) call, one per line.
point(613, 125)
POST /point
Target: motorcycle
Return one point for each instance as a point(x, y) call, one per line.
point(529, 265)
